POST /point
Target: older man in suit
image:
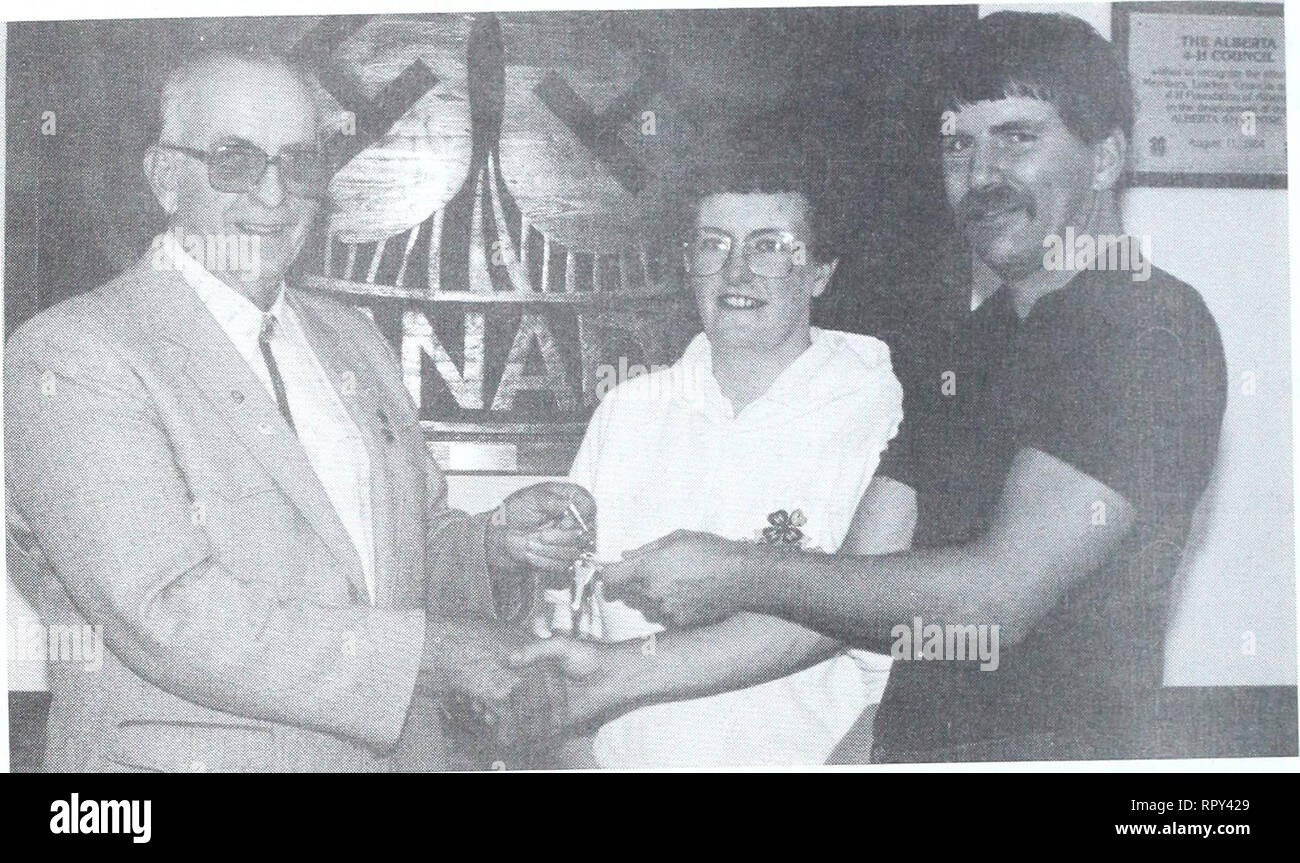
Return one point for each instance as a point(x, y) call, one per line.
point(228, 475)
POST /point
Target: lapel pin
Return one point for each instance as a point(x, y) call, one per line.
point(387, 427)
point(237, 397)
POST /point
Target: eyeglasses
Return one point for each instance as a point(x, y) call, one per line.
point(239, 167)
point(769, 254)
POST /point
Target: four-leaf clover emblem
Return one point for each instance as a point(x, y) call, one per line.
point(784, 527)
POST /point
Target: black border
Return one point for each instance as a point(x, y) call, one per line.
point(1119, 30)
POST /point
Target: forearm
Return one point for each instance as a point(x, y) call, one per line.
point(858, 599)
point(1043, 538)
point(743, 650)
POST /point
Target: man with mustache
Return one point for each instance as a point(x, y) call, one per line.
point(227, 474)
point(1049, 462)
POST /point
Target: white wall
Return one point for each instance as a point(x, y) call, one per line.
point(1239, 578)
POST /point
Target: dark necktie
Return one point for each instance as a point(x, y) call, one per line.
point(277, 382)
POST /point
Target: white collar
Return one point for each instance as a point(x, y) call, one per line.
point(236, 313)
point(790, 386)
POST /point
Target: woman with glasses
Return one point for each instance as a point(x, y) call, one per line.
point(767, 430)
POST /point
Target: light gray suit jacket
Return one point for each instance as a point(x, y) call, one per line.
point(153, 476)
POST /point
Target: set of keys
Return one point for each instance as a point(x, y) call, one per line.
point(575, 611)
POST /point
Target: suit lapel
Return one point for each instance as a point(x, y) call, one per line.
point(353, 380)
point(211, 362)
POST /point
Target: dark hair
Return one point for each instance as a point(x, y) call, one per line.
point(1059, 59)
point(769, 154)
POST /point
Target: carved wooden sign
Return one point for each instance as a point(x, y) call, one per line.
point(512, 230)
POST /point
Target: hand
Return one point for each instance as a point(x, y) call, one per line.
point(492, 708)
point(585, 667)
point(534, 527)
point(465, 662)
point(682, 580)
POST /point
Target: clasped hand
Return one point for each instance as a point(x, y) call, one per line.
point(508, 693)
point(543, 528)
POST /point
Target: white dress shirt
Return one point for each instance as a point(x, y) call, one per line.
point(334, 445)
point(666, 451)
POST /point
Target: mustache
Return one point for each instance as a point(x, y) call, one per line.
point(980, 203)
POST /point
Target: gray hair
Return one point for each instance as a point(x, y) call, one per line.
point(183, 81)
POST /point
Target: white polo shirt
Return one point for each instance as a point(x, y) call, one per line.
point(666, 451)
